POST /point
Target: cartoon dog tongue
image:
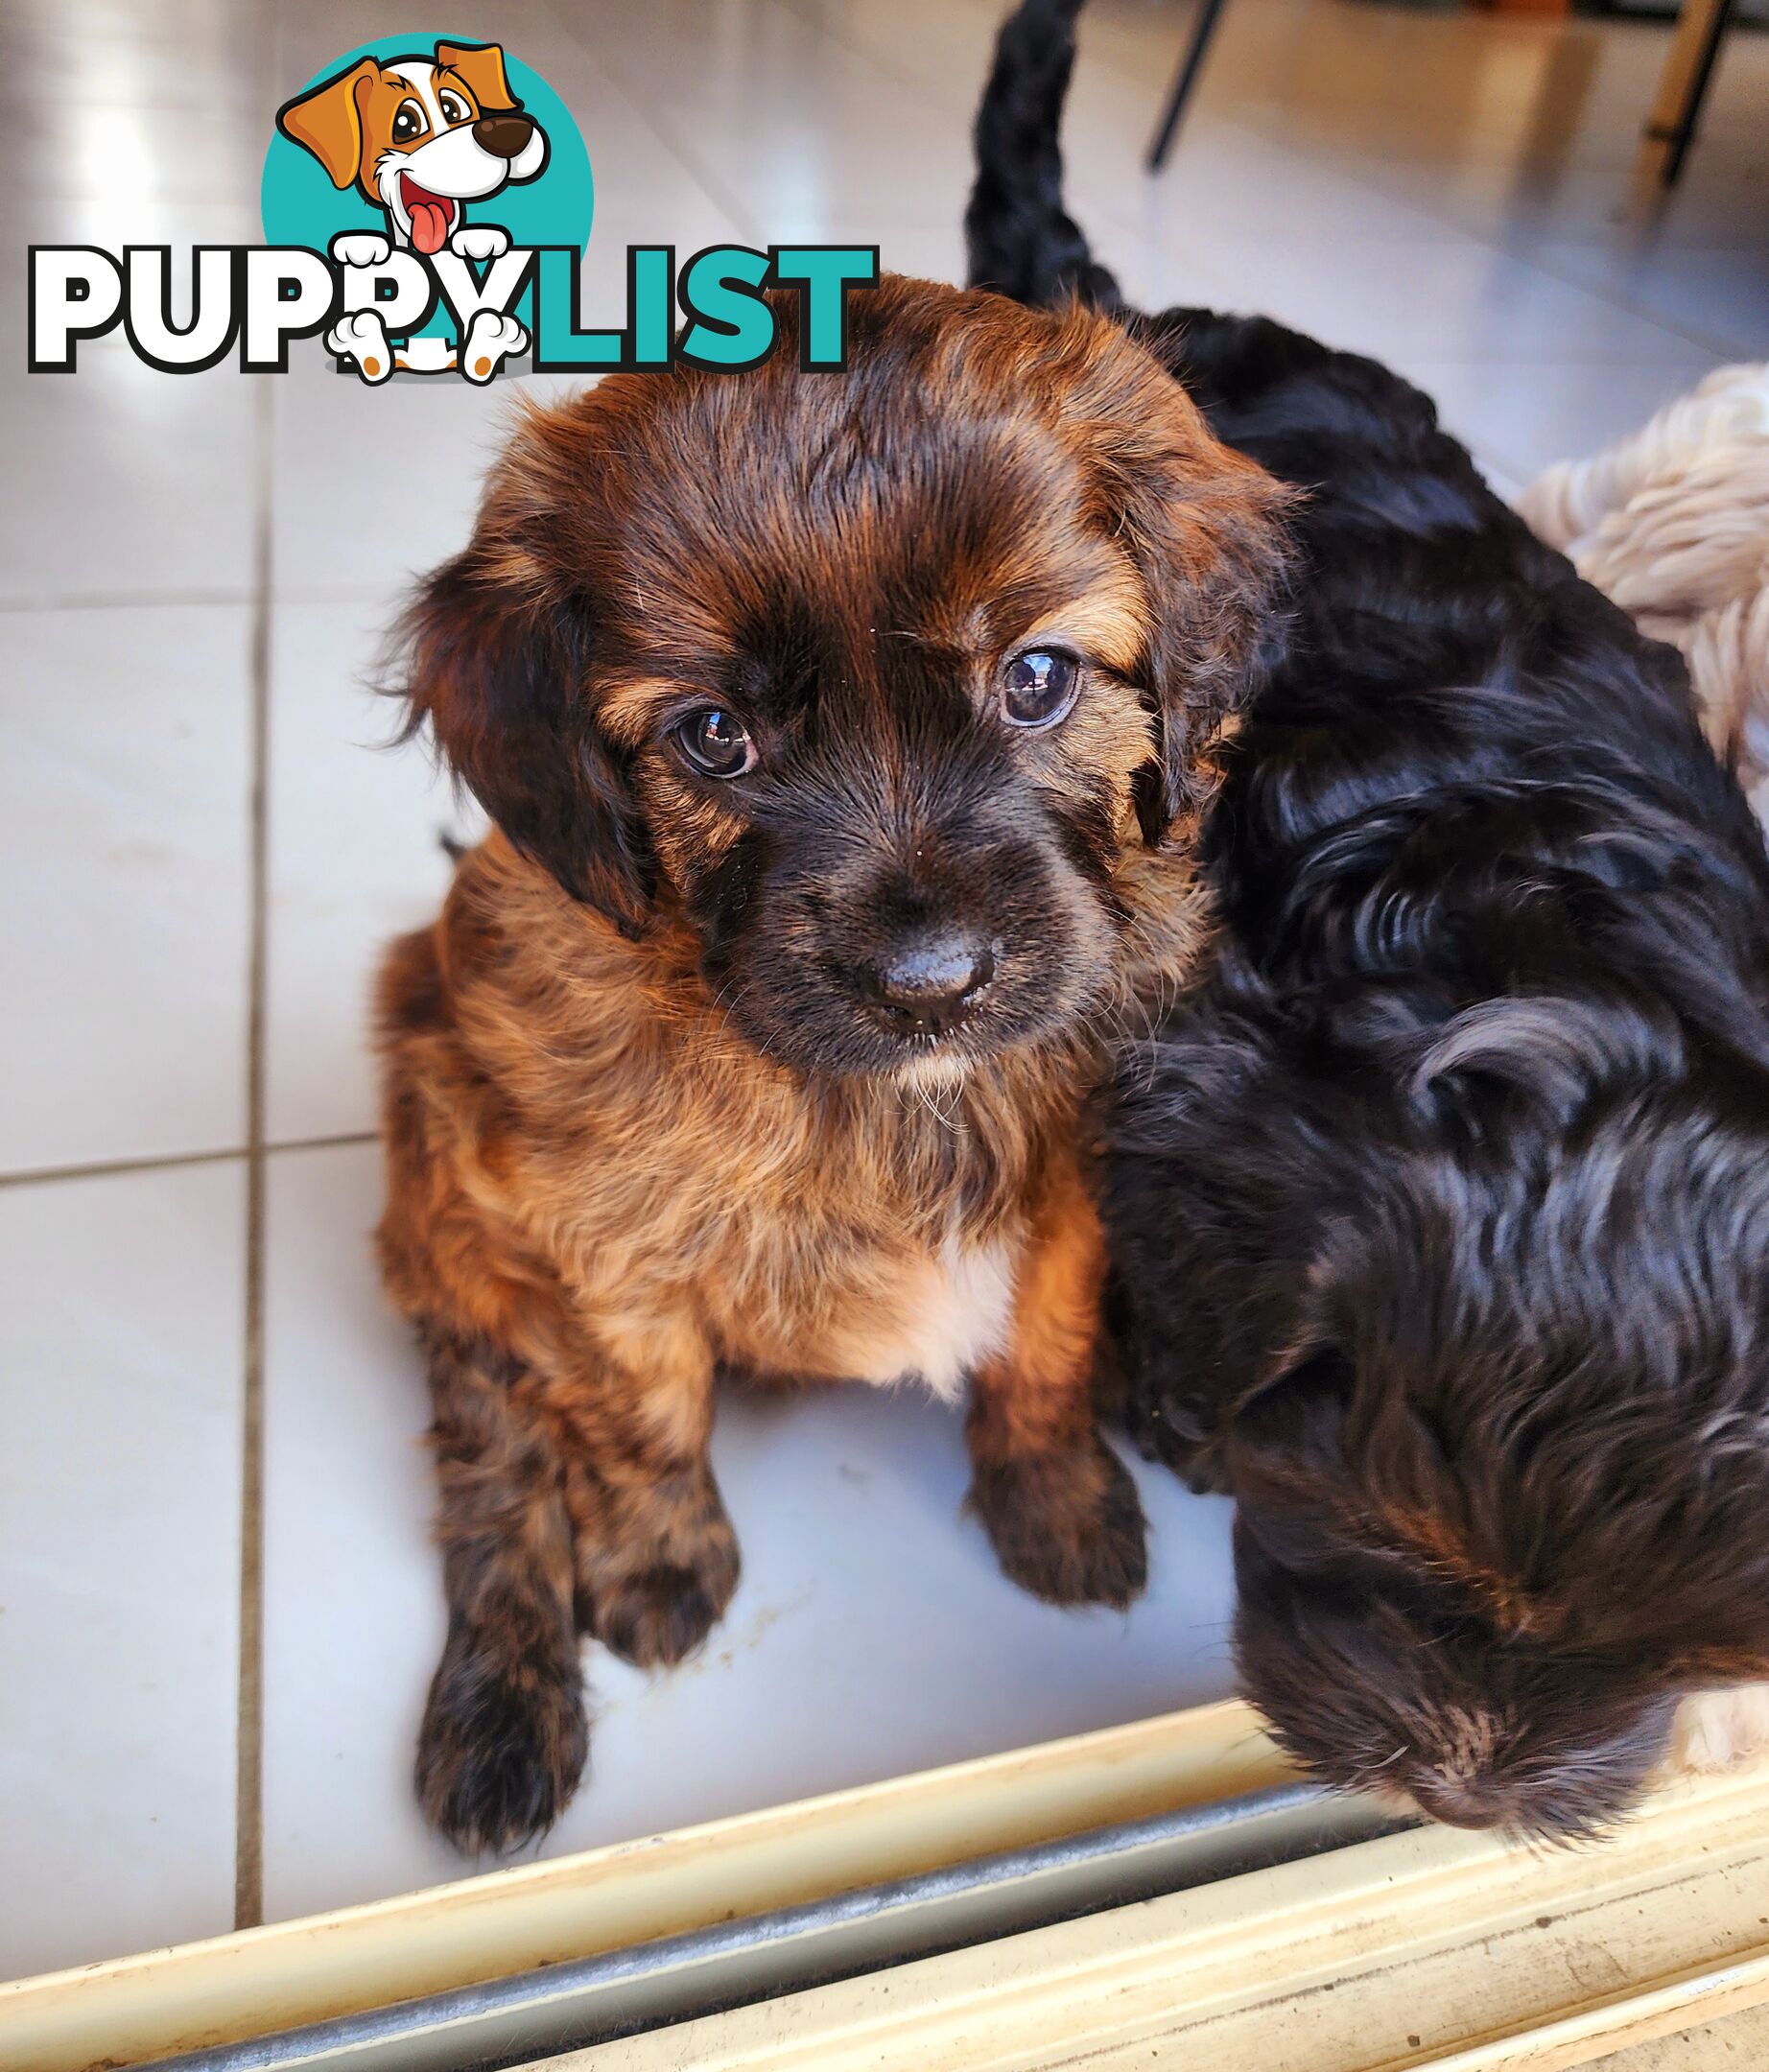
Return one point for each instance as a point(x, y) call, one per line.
point(430, 217)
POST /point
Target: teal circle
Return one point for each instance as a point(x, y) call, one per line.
point(300, 206)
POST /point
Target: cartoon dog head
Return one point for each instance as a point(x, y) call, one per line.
point(420, 135)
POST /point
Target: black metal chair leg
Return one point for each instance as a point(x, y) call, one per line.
point(1188, 69)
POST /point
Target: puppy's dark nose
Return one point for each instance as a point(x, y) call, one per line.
point(504, 136)
point(1463, 1801)
point(926, 986)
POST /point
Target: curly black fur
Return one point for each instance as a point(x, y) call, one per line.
point(1441, 1212)
point(1020, 239)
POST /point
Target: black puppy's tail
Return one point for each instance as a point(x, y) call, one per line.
point(1023, 243)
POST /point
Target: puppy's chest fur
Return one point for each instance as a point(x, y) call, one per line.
point(604, 1111)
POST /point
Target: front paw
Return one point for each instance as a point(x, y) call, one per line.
point(360, 248)
point(480, 240)
point(361, 336)
point(489, 342)
point(1068, 1526)
point(502, 1744)
point(657, 1617)
point(655, 1578)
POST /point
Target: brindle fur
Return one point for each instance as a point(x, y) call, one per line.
point(638, 1136)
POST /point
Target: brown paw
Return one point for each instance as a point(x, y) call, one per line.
point(1066, 1527)
point(657, 1617)
point(502, 1744)
point(658, 1598)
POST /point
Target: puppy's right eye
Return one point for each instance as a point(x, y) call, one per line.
point(715, 742)
point(1039, 688)
point(409, 122)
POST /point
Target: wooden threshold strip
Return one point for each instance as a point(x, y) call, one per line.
point(1425, 1949)
point(282, 1976)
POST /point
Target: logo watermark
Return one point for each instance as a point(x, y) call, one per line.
point(426, 206)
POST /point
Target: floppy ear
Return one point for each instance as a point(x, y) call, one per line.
point(482, 66)
point(497, 651)
point(1202, 523)
point(1291, 1427)
point(328, 123)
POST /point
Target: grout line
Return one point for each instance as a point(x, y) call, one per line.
point(110, 1169)
point(249, 1717)
point(324, 1144)
point(56, 601)
point(172, 600)
point(171, 1161)
point(249, 1772)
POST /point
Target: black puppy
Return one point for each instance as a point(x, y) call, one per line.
point(1441, 1212)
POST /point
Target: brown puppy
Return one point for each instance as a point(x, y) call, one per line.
point(845, 736)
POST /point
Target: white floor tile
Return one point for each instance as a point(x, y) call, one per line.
point(1525, 418)
point(1715, 205)
point(124, 803)
point(122, 67)
point(336, 532)
point(773, 109)
point(1449, 297)
point(355, 857)
point(54, 147)
point(1499, 477)
point(311, 36)
point(137, 58)
point(1694, 260)
point(872, 1633)
point(127, 484)
point(1716, 296)
point(121, 1346)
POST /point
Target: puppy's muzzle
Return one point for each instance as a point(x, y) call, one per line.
point(1465, 1801)
point(927, 985)
point(504, 136)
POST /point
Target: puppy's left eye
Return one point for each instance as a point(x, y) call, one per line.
point(715, 742)
point(1040, 687)
point(454, 108)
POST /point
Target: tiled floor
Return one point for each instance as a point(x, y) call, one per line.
point(194, 574)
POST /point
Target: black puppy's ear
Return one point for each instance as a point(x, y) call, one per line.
point(1290, 1430)
point(1204, 525)
point(496, 664)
